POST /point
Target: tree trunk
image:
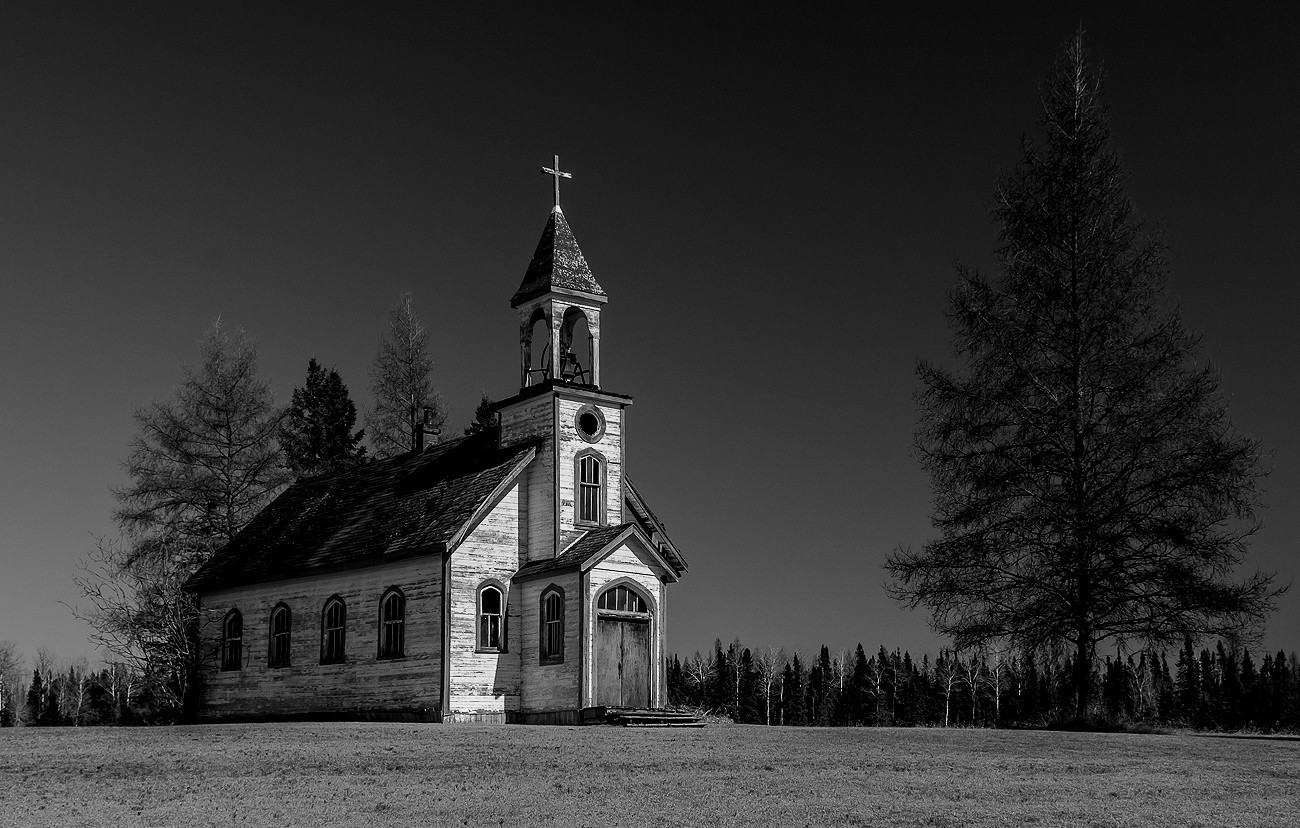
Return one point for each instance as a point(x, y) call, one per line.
point(1082, 675)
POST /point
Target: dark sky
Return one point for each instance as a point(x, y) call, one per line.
point(773, 198)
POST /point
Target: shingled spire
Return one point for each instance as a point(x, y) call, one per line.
point(557, 265)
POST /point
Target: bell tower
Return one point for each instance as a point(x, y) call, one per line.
point(576, 483)
point(558, 299)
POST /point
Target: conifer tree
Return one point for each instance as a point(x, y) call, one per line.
point(484, 417)
point(1089, 485)
point(401, 382)
point(316, 432)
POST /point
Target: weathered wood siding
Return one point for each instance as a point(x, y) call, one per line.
point(610, 445)
point(550, 687)
point(627, 564)
point(486, 682)
point(526, 421)
point(362, 684)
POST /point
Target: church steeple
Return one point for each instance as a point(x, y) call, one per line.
point(559, 299)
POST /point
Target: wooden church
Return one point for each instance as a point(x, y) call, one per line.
point(515, 575)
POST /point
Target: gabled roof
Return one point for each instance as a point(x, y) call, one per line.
point(557, 263)
point(589, 549)
point(409, 505)
point(652, 526)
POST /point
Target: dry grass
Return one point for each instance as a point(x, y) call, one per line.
point(430, 775)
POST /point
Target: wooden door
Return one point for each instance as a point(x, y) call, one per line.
point(622, 662)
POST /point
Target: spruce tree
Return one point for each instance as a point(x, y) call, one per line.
point(1089, 485)
point(316, 432)
point(484, 417)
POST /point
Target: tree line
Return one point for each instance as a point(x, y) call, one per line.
point(1222, 688)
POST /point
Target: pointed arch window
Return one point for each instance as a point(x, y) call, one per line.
point(551, 640)
point(589, 487)
point(232, 641)
point(281, 620)
point(333, 639)
point(392, 624)
point(491, 618)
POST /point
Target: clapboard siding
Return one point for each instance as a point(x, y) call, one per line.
point(549, 687)
point(363, 684)
point(610, 445)
point(484, 682)
point(530, 420)
point(625, 563)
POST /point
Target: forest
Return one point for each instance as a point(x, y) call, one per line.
point(1214, 689)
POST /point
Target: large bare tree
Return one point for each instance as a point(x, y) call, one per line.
point(1088, 483)
point(201, 466)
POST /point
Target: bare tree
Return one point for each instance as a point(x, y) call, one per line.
point(202, 466)
point(11, 665)
point(402, 385)
point(769, 662)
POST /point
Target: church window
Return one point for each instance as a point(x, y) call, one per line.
point(491, 619)
point(232, 641)
point(279, 655)
point(392, 624)
point(590, 423)
point(552, 637)
point(589, 474)
point(333, 631)
point(622, 599)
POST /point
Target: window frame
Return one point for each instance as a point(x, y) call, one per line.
point(631, 587)
point(385, 624)
point(544, 653)
point(274, 658)
point(480, 646)
point(232, 659)
point(326, 657)
point(601, 486)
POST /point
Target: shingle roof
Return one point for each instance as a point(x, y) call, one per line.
point(557, 263)
point(376, 513)
point(586, 546)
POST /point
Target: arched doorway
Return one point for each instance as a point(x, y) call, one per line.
point(623, 636)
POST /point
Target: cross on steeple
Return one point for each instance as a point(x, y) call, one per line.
point(555, 171)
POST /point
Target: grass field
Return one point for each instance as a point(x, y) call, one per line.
point(361, 774)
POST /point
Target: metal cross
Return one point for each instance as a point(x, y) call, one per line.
point(555, 171)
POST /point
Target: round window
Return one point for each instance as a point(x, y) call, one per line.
point(590, 423)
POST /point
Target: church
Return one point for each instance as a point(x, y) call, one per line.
point(515, 575)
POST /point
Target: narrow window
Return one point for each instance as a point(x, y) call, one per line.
point(392, 624)
point(490, 613)
point(589, 489)
point(279, 655)
point(232, 641)
point(333, 631)
point(552, 638)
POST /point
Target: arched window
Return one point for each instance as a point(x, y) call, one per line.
point(392, 624)
point(491, 618)
point(552, 633)
point(588, 482)
point(333, 631)
point(232, 641)
point(622, 599)
point(280, 621)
